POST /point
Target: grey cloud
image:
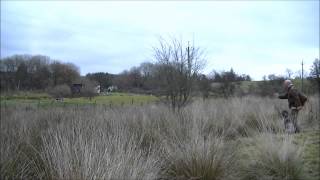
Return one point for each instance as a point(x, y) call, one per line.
point(115, 36)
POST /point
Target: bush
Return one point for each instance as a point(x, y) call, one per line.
point(60, 91)
point(271, 157)
point(88, 89)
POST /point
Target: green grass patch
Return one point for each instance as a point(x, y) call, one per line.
point(25, 96)
point(311, 141)
point(112, 99)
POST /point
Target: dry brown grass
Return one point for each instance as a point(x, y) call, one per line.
point(203, 141)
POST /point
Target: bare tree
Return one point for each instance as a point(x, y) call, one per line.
point(315, 73)
point(178, 67)
point(89, 88)
point(63, 73)
point(289, 73)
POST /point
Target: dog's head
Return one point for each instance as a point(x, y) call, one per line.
point(284, 114)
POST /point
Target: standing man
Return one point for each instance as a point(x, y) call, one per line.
point(296, 101)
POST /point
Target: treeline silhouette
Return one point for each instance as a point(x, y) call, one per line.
point(28, 72)
point(40, 73)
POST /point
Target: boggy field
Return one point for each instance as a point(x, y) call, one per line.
point(236, 138)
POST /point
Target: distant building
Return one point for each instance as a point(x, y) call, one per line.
point(76, 88)
point(111, 88)
point(98, 89)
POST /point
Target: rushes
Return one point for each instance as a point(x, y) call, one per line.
point(199, 158)
point(271, 157)
point(215, 139)
point(113, 157)
point(90, 150)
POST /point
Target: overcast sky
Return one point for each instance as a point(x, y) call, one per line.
point(256, 38)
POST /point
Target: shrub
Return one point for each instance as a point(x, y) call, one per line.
point(60, 91)
point(88, 89)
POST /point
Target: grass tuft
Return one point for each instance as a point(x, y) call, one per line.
point(272, 157)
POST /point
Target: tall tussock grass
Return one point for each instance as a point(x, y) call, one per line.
point(271, 157)
point(199, 158)
point(236, 138)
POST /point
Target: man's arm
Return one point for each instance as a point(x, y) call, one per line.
point(284, 96)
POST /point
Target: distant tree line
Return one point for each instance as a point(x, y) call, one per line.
point(227, 82)
point(175, 74)
point(27, 72)
point(315, 75)
point(151, 78)
point(103, 79)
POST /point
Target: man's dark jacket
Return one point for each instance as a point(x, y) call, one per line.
point(295, 98)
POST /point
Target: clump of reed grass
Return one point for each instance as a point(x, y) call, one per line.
point(198, 158)
point(271, 157)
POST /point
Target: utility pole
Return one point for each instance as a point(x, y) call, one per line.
point(189, 69)
point(302, 76)
point(189, 63)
